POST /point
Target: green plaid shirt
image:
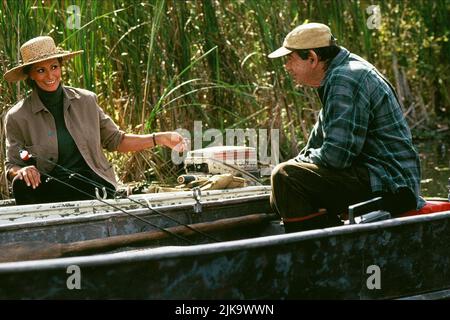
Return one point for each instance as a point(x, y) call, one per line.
point(361, 122)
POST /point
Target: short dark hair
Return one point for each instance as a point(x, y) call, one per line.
point(30, 82)
point(325, 54)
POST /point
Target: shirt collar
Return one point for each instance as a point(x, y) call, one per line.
point(37, 105)
point(340, 58)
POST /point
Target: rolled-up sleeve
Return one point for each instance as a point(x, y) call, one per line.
point(110, 134)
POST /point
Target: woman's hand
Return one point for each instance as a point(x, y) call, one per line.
point(30, 175)
point(173, 140)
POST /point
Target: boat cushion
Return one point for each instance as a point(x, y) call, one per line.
point(430, 207)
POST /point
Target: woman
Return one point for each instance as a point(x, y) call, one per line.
point(64, 129)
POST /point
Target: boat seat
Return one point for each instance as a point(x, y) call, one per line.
point(431, 206)
point(370, 211)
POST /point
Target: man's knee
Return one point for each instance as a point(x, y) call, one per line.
point(291, 170)
point(286, 181)
point(278, 172)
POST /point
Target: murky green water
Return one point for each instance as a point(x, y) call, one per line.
point(435, 162)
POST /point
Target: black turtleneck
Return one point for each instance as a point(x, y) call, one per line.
point(51, 100)
point(68, 154)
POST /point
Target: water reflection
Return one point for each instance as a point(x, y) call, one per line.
point(435, 162)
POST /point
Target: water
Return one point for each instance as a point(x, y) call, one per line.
point(435, 163)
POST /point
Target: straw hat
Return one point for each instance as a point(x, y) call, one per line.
point(305, 36)
point(36, 50)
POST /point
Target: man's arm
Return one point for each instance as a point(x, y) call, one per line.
point(345, 124)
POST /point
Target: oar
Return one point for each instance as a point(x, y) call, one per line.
point(33, 250)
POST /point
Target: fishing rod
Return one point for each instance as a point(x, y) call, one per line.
point(26, 156)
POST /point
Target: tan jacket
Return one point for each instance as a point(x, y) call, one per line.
point(29, 125)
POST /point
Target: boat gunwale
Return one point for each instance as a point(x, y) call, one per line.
point(167, 252)
point(157, 197)
point(98, 216)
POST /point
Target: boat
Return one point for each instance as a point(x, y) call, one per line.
point(69, 222)
point(11, 214)
point(246, 256)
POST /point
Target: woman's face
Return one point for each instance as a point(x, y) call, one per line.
point(46, 74)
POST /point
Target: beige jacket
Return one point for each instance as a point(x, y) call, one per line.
point(29, 125)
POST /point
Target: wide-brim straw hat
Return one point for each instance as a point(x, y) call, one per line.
point(37, 50)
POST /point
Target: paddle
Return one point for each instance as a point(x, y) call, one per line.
point(34, 250)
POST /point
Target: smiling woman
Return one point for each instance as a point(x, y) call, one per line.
point(46, 74)
point(65, 130)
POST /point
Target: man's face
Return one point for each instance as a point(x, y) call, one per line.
point(302, 71)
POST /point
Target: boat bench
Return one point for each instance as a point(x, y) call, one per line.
point(431, 206)
point(371, 210)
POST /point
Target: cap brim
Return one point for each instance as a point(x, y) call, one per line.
point(279, 53)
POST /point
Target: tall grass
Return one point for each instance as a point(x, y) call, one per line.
point(161, 64)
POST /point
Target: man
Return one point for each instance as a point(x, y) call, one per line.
point(360, 147)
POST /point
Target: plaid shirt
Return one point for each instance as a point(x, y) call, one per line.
point(361, 122)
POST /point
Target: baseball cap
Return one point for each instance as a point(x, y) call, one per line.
point(305, 36)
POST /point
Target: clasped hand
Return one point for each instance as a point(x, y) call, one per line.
point(31, 176)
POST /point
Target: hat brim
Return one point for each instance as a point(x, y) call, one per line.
point(16, 73)
point(279, 53)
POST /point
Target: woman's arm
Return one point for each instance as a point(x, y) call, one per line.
point(135, 142)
